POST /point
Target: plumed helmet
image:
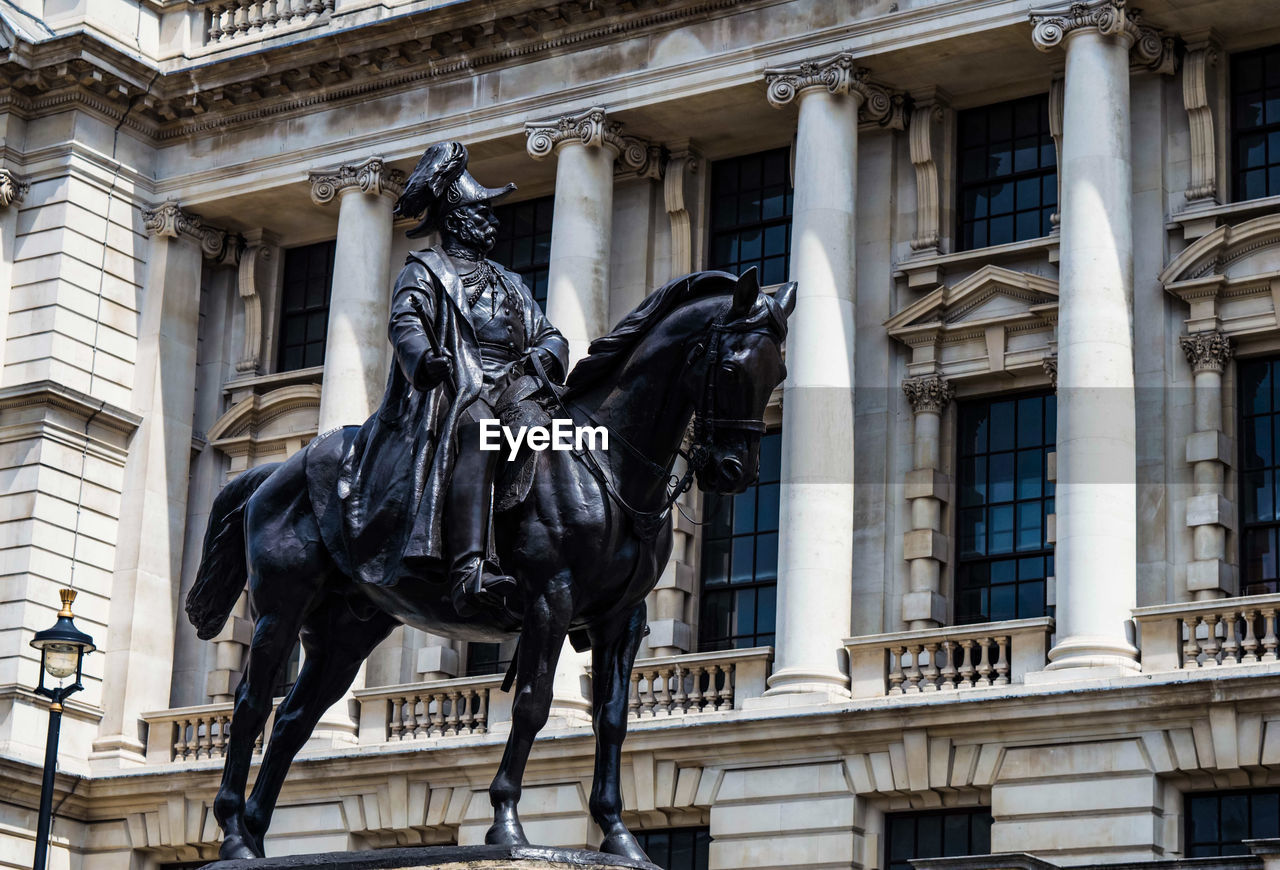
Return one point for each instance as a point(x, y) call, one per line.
point(439, 184)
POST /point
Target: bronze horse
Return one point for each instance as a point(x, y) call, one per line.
point(587, 545)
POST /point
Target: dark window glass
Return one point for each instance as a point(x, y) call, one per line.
point(1008, 173)
point(1218, 823)
point(523, 242)
point(676, 848)
point(1004, 500)
point(740, 560)
point(1255, 123)
point(485, 658)
point(308, 276)
point(1259, 417)
point(935, 834)
point(751, 215)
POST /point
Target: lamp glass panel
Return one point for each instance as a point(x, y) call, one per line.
point(60, 659)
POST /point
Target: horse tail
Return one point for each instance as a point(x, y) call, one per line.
point(224, 568)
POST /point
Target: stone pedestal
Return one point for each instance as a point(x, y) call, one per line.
point(443, 858)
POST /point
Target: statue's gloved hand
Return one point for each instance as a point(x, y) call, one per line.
point(549, 363)
point(432, 371)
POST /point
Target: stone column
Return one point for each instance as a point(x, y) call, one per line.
point(585, 145)
point(12, 192)
point(153, 503)
point(1209, 451)
point(1096, 551)
point(815, 558)
point(355, 344)
point(925, 546)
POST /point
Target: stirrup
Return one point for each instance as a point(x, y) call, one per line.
point(474, 587)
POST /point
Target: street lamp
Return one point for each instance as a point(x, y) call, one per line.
point(62, 650)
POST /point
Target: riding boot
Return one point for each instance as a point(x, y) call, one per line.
point(475, 581)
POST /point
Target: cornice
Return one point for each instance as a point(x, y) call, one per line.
point(56, 395)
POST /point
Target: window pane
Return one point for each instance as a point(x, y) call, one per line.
point(1255, 123)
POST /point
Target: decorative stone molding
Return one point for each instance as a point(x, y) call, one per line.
point(1050, 27)
point(652, 167)
point(1199, 81)
point(928, 394)
point(1050, 364)
point(169, 221)
point(591, 128)
point(682, 165)
point(1207, 351)
point(1057, 92)
point(254, 280)
point(839, 74)
point(12, 189)
point(373, 176)
point(928, 138)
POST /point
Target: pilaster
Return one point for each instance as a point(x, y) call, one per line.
point(1209, 452)
point(927, 546)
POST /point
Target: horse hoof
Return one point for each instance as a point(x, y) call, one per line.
point(624, 844)
point(236, 847)
point(505, 833)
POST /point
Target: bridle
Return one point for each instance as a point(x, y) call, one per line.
point(706, 425)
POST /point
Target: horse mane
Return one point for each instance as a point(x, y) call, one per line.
point(612, 349)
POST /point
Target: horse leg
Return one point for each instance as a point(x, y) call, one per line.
point(336, 642)
point(545, 627)
point(613, 654)
point(273, 636)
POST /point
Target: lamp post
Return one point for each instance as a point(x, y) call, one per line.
point(62, 649)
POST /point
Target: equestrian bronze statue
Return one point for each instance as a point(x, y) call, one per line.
point(389, 522)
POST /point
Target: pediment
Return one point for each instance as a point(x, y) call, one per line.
point(1247, 250)
point(990, 296)
point(288, 412)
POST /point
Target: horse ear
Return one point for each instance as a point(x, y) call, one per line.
point(786, 298)
point(745, 293)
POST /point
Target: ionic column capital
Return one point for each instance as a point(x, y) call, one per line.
point(838, 74)
point(591, 127)
point(12, 188)
point(1207, 351)
point(169, 221)
point(928, 394)
point(1051, 26)
point(372, 176)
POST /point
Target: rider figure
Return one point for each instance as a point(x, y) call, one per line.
point(463, 329)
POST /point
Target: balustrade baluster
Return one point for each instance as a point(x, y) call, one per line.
point(665, 701)
point(1191, 646)
point(180, 740)
point(1002, 662)
point(437, 714)
point(451, 724)
point(395, 725)
point(205, 747)
point(696, 697)
point(913, 673)
point(242, 18)
point(1210, 645)
point(215, 23)
point(255, 17)
point(482, 712)
point(220, 747)
point(896, 673)
point(1250, 642)
point(966, 664)
point(650, 697)
point(929, 681)
point(633, 699)
point(984, 664)
point(949, 667)
point(1269, 634)
point(680, 699)
point(726, 692)
point(1230, 646)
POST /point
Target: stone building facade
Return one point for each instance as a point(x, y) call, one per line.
point(1009, 580)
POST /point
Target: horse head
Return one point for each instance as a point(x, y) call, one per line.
point(730, 371)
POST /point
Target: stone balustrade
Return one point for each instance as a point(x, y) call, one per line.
point(442, 708)
point(1207, 634)
point(244, 20)
point(947, 659)
point(191, 734)
point(697, 683)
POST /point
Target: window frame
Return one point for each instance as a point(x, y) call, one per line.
point(713, 232)
point(962, 187)
point(1046, 500)
point(1242, 471)
point(704, 642)
point(701, 836)
point(283, 346)
point(1268, 131)
point(1188, 823)
point(528, 272)
point(971, 812)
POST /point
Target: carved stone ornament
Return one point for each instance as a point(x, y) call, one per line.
point(169, 221)
point(372, 176)
point(591, 128)
point(928, 394)
point(11, 188)
point(1112, 18)
point(839, 75)
point(1206, 351)
point(1050, 364)
point(1197, 67)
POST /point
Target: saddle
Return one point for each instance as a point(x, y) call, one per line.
point(524, 403)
